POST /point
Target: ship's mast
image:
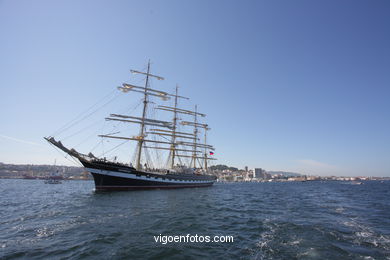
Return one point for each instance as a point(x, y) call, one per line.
point(142, 126)
point(186, 139)
point(195, 144)
point(173, 145)
point(205, 149)
point(196, 137)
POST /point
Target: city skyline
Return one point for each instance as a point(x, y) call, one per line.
point(293, 86)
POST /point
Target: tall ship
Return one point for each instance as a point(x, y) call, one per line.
point(178, 138)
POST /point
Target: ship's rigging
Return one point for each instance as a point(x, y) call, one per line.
point(181, 138)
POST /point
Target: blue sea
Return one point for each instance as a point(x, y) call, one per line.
point(295, 220)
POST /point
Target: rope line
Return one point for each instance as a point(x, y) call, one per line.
point(76, 120)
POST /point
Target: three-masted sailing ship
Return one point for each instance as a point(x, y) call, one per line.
point(113, 175)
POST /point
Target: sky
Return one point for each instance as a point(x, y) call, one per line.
point(301, 86)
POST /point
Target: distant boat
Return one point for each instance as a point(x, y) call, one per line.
point(112, 175)
point(52, 181)
point(54, 178)
point(357, 183)
point(29, 177)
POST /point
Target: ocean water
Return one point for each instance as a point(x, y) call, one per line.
point(310, 220)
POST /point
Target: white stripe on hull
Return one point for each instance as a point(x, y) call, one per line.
point(106, 187)
point(144, 178)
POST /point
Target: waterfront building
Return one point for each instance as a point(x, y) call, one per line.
point(259, 173)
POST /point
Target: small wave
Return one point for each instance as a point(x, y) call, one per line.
point(310, 252)
point(44, 232)
point(363, 235)
point(372, 239)
point(294, 242)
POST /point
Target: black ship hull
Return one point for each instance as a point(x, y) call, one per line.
point(110, 176)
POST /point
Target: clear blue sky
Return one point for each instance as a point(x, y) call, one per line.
point(287, 85)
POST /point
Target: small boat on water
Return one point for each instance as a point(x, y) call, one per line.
point(55, 177)
point(52, 181)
